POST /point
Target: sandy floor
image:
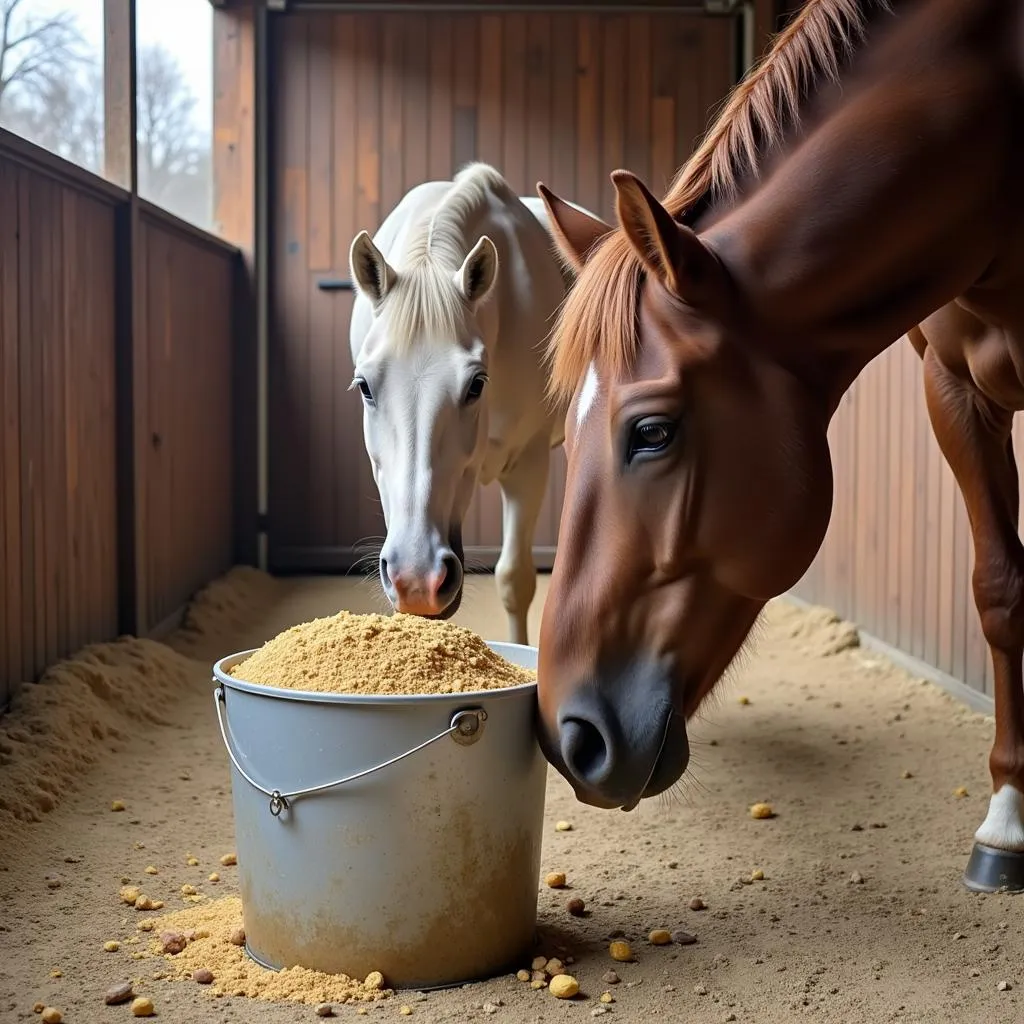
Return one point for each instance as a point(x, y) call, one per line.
point(826, 738)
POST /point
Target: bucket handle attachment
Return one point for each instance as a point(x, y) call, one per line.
point(465, 729)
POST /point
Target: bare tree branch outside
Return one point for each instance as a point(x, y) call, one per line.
point(51, 92)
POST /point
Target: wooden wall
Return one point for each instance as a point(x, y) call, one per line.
point(898, 557)
point(58, 574)
point(363, 107)
point(185, 415)
point(64, 491)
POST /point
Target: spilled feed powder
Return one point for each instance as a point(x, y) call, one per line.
point(380, 654)
point(208, 928)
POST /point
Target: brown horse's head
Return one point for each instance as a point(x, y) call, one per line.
point(699, 486)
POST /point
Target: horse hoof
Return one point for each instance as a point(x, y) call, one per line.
point(991, 870)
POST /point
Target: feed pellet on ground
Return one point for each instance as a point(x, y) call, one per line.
point(802, 944)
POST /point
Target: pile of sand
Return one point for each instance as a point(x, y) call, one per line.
point(819, 632)
point(381, 654)
point(227, 605)
point(88, 705)
point(82, 709)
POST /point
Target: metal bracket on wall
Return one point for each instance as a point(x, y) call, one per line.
point(334, 284)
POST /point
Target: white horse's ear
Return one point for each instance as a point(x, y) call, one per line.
point(476, 277)
point(575, 232)
point(370, 271)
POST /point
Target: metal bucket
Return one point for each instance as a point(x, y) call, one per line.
point(399, 834)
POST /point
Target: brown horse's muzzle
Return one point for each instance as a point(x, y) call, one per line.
point(617, 737)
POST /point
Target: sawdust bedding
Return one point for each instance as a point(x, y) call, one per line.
point(845, 905)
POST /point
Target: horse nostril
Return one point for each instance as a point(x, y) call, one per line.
point(384, 574)
point(585, 751)
point(451, 576)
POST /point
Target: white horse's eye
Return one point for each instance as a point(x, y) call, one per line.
point(364, 390)
point(476, 388)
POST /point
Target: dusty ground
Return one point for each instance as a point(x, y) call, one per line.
point(826, 738)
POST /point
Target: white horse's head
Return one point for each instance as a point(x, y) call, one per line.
point(422, 374)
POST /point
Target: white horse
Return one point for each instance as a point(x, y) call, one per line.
point(456, 294)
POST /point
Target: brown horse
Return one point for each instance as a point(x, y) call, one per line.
point(864, 183)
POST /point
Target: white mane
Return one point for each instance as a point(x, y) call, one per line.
point(424, 300)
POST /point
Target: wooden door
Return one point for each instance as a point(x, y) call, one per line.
point(367, 105)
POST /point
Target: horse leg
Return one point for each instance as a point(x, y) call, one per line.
point(522, 493)
point(976, 442)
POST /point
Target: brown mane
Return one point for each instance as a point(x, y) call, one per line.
point(597, 321)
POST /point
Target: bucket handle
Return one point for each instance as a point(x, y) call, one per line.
point(465, 728)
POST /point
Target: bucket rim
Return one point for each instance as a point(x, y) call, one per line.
point(223, 678)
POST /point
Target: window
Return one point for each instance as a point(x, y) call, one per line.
point(51, 76)
point(175, 106)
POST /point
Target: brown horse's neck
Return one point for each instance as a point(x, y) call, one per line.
point(890, 207)
point(770, 108)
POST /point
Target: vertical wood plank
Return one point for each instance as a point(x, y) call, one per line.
point(909, 409)
point(923, 555)
point(152, 279)
point(540, 149)
point(865, 498)
point(29, 435)
point(889, 493)
point(876, 547)
point(539, 100)
point(321, 391)
point(638, 95)
point(515, 116)
point(690, 112)
point(664, 73)
point(563, 181)
point(441, 92)
point(663, 143)
point(416, 101)
point(392, 116)
point(563, 107)
point(471, 81)
point(292, 429)
point(369, 138)
point(47, 197)
point(933, 551)
point(319, 252)
point(847, 555)
point(481, 524)
point(74, 386)
point(716, 68)
point(588, 133)
point(57, 496)
point(613, 73)
point(71, 400)
point(347, 433)
point(11, 662)
point(491, 102)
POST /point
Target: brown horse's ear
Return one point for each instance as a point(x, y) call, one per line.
point(575, 231)
point(668, 249)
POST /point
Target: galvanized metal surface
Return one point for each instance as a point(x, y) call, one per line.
point(426, 868)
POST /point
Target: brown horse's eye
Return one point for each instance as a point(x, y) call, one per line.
point(651, 436)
